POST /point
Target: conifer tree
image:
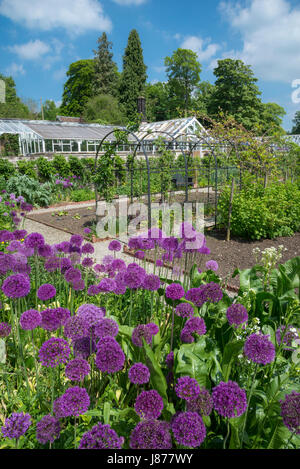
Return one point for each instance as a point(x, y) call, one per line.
point(134, 75)
point(106, 71)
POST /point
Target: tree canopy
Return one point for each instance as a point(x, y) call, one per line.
point(106, 71)
point(296, 122)
point(104, 109)
point(13, 106)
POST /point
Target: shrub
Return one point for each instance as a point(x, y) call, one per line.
point(80, 195)
point(31, 189)
point(28, 168)
point(76, 166)
point(259, 212)
point(61, 165)
point(7, 169)
point(45, 168)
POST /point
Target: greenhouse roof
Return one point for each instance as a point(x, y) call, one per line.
point(175, 127)
point(10, 126)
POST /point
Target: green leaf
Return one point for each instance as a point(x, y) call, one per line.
point(231, 351)
point(106, 413)
point(157, 378)
point(280, 435)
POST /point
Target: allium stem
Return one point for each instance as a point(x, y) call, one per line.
point(248, 403)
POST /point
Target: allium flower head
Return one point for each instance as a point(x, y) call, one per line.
point(45, 251)
point(107, 285)
point(202, 404)
point(34, 240)
point(229, 399)
point(106, 327)
point(16, 425)
point(287, 335)
point(87, 262)
point(118, 264)
point(46, 291)
point(47, 429)
point(5, 329)
point(187, 388)
point(139, 374)
point(75, 401)
point(151, 434)
point(134, 276)
point(140, 332)
point(290, 411)
point(52, 264)
point(151, 282)
point(170, 360)
point(212, 265)
point(110, 357)
point(54, 351)
point(188, 429)
point(174, 291)
point(185, 310)
point(237, 314)
point(77, 369)
point(114, 245)
point(101, 437)
point(91, 313)
point(195, 325)
point(76, 240)
point(76, 327)
point(84, 347)
point(259, 349)
point(72, 275)
point(16, 286)
point(30, 319)
point(149, 404)
point(88, 248)
point(212, 292)
point(196, 296)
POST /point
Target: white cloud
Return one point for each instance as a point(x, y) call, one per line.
point(15, 70)
point(204, 49)
point(271, 37)
point(129, 2)
point(32, 50)
point(76, 16)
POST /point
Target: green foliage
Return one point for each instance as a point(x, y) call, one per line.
point(259, 212)
point(61, 165)
point(106, 71)
point(30, 189)
point(80, 195)
point(296, 122)
point(183, 71)
point(134, 76)
point(78, 88)
point(45, 168)
point(104, 109)
point(27, 167)
point(7, 169)
point(10, 144)
point(13, 106)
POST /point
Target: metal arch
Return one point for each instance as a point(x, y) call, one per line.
point(123, 129)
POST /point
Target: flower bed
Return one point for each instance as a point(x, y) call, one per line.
point(112, 355)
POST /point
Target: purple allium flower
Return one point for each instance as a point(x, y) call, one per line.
point(34, 240)
point(45, 251)
point(109, 357)
point(52, 264)
point(139, 332)
point(7, 263)
point(54, 351)
point(16, 286)
point(237, 314)
point(170, 244)
point(107, 285)
point(77, 369)
point(64, 246)
point(16, 425)
point(140, 255)
point(194, 325)
point(185, 310)
point(139, 374)
point(101, 437)
point(170, 360)
point(30, 319)
point(174, 291)
point(13, 246)
point(114, 245)
point(47, 429)
point(118, 264)
point(75, 401)
point(188, 429)
point(6, 235)
point(107, 260)
point(187, 231)
point(99, 268)
point(72, 275)
point(91, 313)
point(88, 248)
point(212, 265)
point(195, 295)
point(76, 240)
point(151, 434)
point(106, 327)
point(87, 230)
point(5, 329)
point(229, 399)
point(87, 262)
point(51, 319)
point(78, 285)
point(290, 411)
point(202, 404)
point(259, 349)
point(93, 290)
point(149, 404)
point(19, 234)
point(76, 327)
point(212, 292)
point(134, 276)
point(151, 282)
point(287, 335)
point(63, 314)
point(187, 388)
point(84, 347)
point(159, 263)
point(46, 291)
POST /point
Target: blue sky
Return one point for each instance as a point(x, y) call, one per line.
point(40, 38)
